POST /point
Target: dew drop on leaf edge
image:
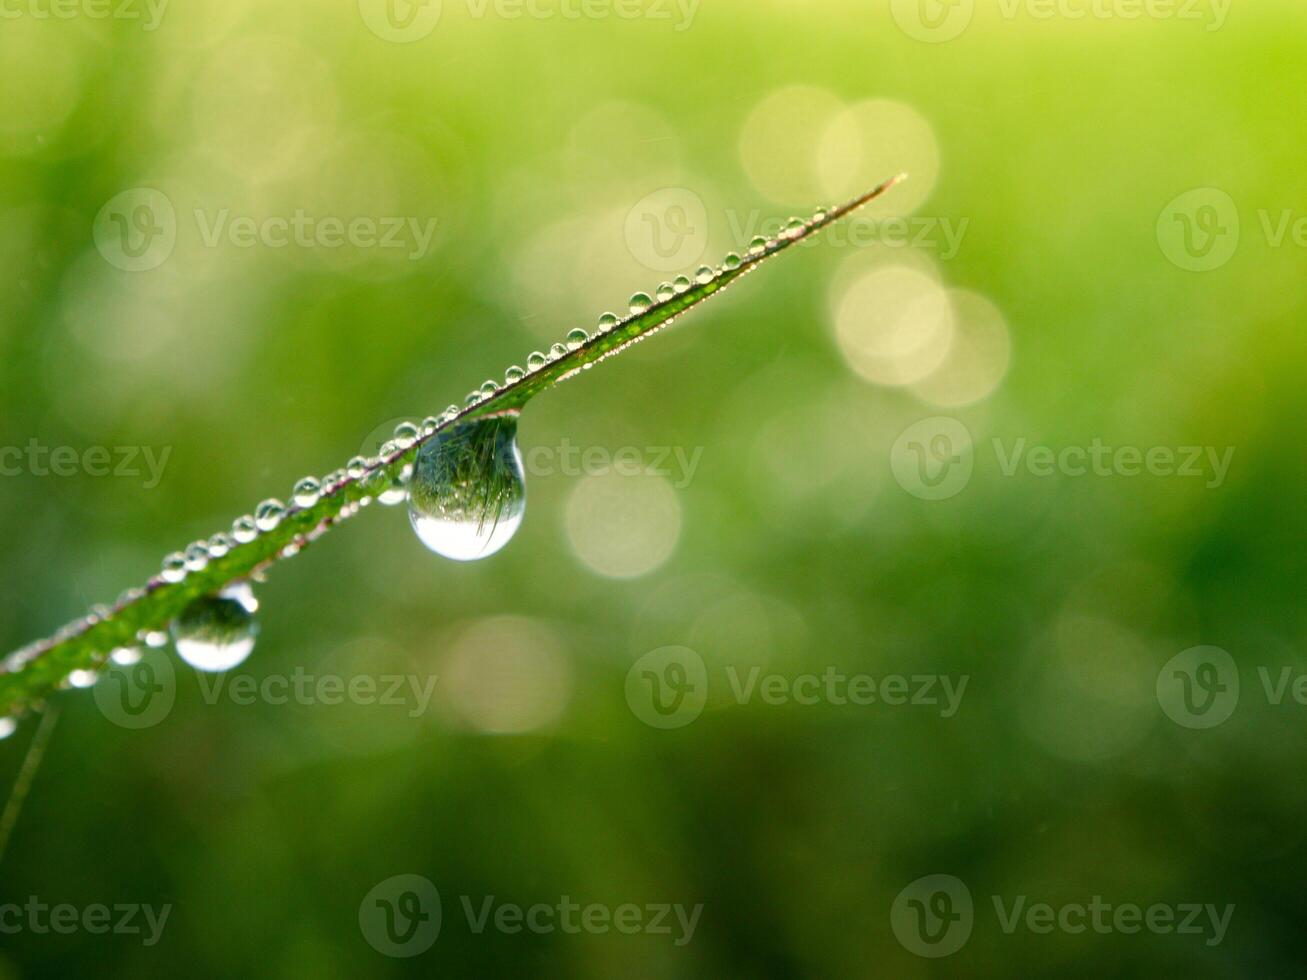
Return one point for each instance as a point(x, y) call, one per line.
point(467, 495)
point(217, 632)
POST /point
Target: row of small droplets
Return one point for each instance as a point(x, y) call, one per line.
point(387, 489)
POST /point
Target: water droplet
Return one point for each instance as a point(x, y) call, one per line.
point(154, 639)
point(356, 467)
point(681, 284)
point(449, 414)
point(468, 494)
point(333, 479)
point(395, 491)
point(268, 514)
point(405, 433)
point(82, 678)
point(731, 262)
point(473, 397)
point(640, 302)
point(197, 556)
point(576, 338)
point(794, 227)
point(489, 388)
point(758, 245)
point(557, 351)
point(220, 544)
point(607, 321)
point(216, 632)
point(819, 214)
point(513, 375)
point(665, 292)
point(705, 275)
point(126, 656)
point(306, 492)
point(536, 361)
point(429, 425)
point(174, 567)
point(7, 727)
point(244, 530)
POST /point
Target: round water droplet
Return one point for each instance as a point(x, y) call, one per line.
point(306, 492)
point(819, 214)
point(356, 467)
point(793, 227)
point(640, 302)
point(174, 567)
point(154, 639)
point(557, 351)
point(513, 375)
point(705, 275)
point(468, 493)
point(395, 491)
point(536, 361)
point(607, 321)
point(216, 632)
point(489, 388)
point(758, 245)
point(7, 727)
point(473, 398)
point(268, 514)
point(429, 425)
point(405, 433)
point(197, 556)
point(576, 338)
point(220, 544)
point(665, 292)
point(449, 414)
point(681, 284)
point(82, 678)
point(731, 262)
point(126, 656)
point(244, 530)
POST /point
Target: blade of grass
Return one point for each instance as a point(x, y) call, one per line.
point(32, 673)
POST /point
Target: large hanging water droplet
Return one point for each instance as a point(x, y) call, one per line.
point(216, 632)
point(467, 495)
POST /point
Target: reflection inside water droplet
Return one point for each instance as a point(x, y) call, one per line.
point(467, 494)
point(216, 632)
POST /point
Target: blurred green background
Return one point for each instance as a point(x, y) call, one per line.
point(1059, 284)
